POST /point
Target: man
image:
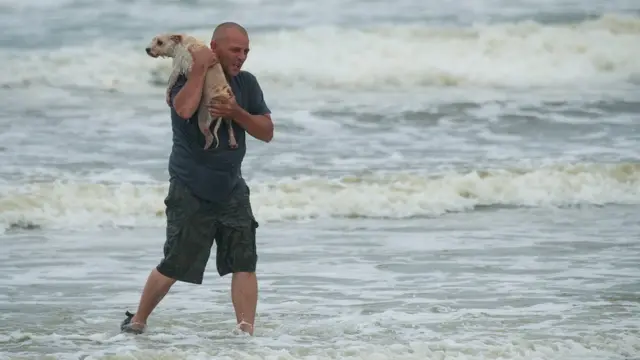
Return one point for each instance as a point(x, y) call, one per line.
point(208, 198)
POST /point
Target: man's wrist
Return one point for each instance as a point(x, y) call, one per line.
point(239, 114)
point(197, 70)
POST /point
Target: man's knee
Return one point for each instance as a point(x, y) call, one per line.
point(193, 274)
point(244, 274)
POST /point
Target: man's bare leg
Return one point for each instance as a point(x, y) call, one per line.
point(244, 295)
point(155, 289)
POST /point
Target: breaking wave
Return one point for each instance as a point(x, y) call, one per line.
point(76, 204)
point(603, 50)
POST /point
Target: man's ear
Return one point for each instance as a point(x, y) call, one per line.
point(176, 38)
point(213, 45)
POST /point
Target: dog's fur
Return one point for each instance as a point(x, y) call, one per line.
point(176, 46)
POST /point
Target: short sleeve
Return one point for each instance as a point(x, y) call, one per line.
point(175, 89)
point(257, 105)
point(177, 86)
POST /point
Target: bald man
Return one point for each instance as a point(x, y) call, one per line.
point(208, 198)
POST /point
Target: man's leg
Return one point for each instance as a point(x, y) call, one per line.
point(244, 295)
point(156, 287)
point(236, 254)
point(190, 232)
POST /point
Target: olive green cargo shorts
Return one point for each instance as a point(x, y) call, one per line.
point(194, 224)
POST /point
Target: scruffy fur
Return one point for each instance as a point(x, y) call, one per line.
point(176, 46)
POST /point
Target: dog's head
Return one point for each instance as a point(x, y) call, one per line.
point(163, 45)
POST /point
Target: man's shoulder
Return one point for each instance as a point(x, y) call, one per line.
point(247, 75)
point(245, 78)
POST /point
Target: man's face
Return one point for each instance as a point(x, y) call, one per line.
point(231, 48)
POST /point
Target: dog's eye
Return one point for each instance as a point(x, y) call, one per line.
point(159, 42)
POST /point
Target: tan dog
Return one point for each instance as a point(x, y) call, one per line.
point(176, 46)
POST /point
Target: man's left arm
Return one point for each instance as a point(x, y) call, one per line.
point(257, 120)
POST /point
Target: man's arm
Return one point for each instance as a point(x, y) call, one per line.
point(257, 121)
point(186, 97)
point(258, 126)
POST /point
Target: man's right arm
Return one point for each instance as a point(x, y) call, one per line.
point(186, 98)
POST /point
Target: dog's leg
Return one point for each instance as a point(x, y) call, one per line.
point(204, 123)
point(227, 92)
point(220, 92)
point(215, 131)
point(232, 137)
point(204, 117)
point(210, 120)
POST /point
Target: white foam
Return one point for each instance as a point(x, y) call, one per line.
point(126, 69)
point(505, 55)
point(522, 54)
point(80, 204)
point(509, 346)
point(32, 4)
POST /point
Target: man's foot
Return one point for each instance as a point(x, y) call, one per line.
point(127, 326)
point(243, 328)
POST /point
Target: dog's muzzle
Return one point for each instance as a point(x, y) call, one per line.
point(148, 50)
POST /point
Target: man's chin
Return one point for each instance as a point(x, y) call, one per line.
point(231, 71)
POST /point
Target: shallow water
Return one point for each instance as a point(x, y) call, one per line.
point(447, 180)
point(490, 284)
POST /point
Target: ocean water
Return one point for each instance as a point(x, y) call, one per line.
point(447, 180)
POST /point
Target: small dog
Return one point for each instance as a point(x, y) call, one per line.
point(176, 46)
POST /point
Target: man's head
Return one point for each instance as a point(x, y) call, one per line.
point(163, 45)
point(230, 42)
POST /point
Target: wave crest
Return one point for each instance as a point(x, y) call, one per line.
point(526, 53)
point(64, 204)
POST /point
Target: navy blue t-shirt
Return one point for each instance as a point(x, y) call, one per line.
point(213, 174)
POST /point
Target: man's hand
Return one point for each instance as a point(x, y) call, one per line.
point(224, 107)
point(203, 58)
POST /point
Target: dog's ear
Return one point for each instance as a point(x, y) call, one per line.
point(176, 38)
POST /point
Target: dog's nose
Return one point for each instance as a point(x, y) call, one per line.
point(148, 50)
